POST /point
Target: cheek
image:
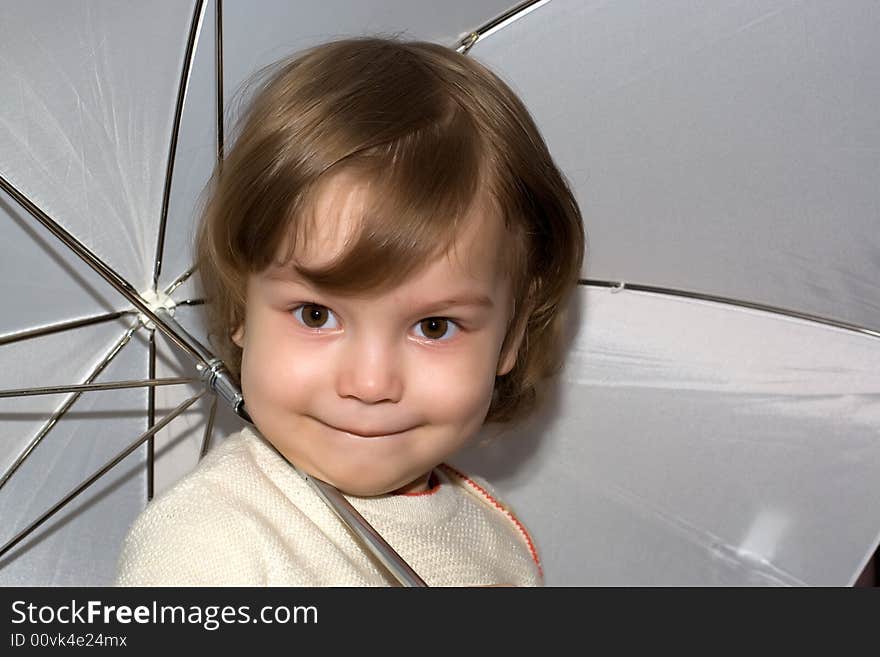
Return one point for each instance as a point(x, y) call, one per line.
point(459, 392)
point(274, 374)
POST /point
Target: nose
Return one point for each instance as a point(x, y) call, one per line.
point(370, 371)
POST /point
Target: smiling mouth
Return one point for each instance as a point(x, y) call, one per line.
point(366, 436)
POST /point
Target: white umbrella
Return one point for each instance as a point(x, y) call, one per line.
point(718, 420)
point(723, 155)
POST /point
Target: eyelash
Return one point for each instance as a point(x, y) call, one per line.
point(451, 322)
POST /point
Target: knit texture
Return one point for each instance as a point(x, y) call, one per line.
point(244, 517)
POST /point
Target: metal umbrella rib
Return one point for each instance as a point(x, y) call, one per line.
point(498, 23)
point(732, 439)
point(180, 280)
point(61, 327)
point(198, 13)
point(209, 428)
point(68, 403)
point(87, 387)
point(212, 369)
point(836, 323)
point(218, 75)
point(191, 302)
point(113, 278)
point(151, 416)
point(97, 475)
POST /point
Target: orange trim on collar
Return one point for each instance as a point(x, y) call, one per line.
point(498, 505)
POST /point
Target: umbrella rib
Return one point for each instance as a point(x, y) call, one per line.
point(620, 285)
point(209, 429)
point(151, 417)
point(175, 132)
point(191, 302)
point(88, 387)
point(116, 281)
point(218, 56)
point(384, 555)
point(218, 68)
point(106, 468)
point(180, 280)
point(214, 374)
point(58, 328)
point(513, 14)
point(365, 534)
point(60, 412)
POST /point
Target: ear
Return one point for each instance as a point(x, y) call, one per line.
point(509, 353)
point(238, 335)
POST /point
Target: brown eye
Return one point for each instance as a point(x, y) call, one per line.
point(434, 328)
point(314, 316)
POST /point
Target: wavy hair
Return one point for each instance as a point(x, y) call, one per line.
point(433, 132)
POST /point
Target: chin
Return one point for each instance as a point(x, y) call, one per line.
point(365, 489)
point(361, 487)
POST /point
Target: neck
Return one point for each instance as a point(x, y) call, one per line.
point(418, 485)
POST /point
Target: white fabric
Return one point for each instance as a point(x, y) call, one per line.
point(88, 98)
point(88, 110)
point(727, 148)
point(695, 443)
point(244, 517)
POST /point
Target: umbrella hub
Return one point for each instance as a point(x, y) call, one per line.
point(157, 301)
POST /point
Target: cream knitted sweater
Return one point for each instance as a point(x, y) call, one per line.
point(243, 517)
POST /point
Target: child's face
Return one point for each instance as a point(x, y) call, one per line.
point(362, 391)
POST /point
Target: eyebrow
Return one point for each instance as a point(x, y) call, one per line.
point(460, 300)
point(476, 300)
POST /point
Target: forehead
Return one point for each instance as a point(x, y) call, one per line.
point(331, 221)
point(335, 219)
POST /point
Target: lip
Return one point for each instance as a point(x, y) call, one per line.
point(367, 435)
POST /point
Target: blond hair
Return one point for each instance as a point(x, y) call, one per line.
point(435, 131)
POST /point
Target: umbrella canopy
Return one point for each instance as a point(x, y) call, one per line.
point(95, 133)
point(726, 160)
point(716, 422)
